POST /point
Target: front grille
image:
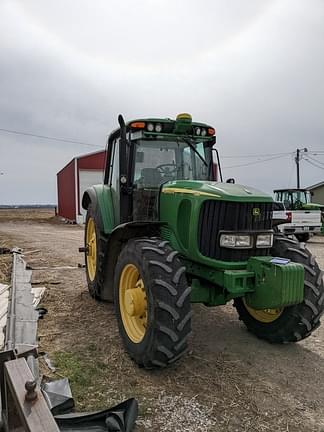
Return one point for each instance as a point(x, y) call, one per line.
point(216, 216)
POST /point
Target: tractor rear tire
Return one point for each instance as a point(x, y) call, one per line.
point(152, 302)
point(95, 253)
point(291, 323)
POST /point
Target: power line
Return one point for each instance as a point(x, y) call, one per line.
point(315, 160)
point(312, 163)
point(318, 155)
point(256, 155)
point(257, 162)
point(65, 140)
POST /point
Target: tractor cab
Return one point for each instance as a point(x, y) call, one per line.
point(303, 218)
point(294, 199)
point(145, 154)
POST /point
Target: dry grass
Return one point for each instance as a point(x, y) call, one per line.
point(32, 215)
point(5, 262)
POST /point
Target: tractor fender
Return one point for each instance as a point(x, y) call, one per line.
point(117, 240)
point(89, 196)
point(101, 200)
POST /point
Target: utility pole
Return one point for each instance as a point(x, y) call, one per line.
point(297, 160)
point(297, 163)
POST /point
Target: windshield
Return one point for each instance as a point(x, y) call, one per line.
point(159, 161)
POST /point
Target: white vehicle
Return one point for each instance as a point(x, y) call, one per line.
point(300, 216)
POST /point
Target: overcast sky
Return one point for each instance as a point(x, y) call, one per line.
point(254, 69)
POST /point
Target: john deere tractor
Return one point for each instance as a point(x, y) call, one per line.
point(162, 232)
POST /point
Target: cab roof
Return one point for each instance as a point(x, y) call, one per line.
point(291, 190)
point(166, 121)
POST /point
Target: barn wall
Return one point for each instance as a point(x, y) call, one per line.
point(318, 195)
point(92, 161)
point(66, 191)
point(95, 161)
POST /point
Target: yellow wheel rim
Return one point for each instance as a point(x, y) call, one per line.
point(133, 303)
point(264, 315)
point(91, 241)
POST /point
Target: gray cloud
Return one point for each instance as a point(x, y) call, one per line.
point(253, 69)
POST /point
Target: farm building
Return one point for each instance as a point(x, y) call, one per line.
point(80, 173)
point(317, 191)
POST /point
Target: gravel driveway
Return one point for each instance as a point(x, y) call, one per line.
point(229, 381)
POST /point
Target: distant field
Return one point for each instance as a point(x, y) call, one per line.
point(26, 214)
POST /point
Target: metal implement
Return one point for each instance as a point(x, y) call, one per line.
point(25, 406)
point(22, 404)
point(58, 395)
point(120, 418)
point(22, 318)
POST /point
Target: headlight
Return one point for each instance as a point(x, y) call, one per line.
point(235, 241)
point(158, 128)
point(203, 132)
point(264, 241)
point(197, 131)
point(150, 127)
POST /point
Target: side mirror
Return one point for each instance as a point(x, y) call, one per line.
point(230, 180)
point(216, 167)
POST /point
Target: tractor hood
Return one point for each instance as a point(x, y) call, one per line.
point(313, 206)
point(216, 190)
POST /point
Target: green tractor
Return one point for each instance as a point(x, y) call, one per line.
point(161, 233)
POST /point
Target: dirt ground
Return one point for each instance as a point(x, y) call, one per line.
point(229, 381)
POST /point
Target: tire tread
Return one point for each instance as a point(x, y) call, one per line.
point(170, 327)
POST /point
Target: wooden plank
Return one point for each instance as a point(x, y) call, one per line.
point(4, 302)
point(35, 416)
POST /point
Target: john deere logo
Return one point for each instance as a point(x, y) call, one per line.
point(256, 211)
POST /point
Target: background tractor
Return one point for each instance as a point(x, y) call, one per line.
point(162, 233)
point(303, 217)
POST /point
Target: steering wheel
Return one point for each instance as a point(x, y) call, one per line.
point(162, 169)
point(298, 204)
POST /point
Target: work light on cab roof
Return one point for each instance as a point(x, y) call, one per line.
point(182, 125)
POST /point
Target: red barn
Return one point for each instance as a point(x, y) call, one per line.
point(82, 172)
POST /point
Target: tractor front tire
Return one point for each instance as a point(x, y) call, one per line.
point(304, 237)
point(152, 302)
point(95, 251)
point(291, 323)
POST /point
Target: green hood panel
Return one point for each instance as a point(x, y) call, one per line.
point(216, 190)
point(313, 206)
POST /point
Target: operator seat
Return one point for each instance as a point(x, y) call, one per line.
point(150, 177)
point(287, 204)
point(146, 194)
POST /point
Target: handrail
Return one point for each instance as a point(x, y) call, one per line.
point(25, 403)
